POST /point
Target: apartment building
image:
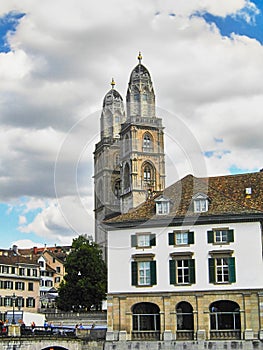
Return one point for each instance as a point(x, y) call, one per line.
point(187, 264)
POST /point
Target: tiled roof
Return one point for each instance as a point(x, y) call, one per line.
point(226, 196)
point(17, 259)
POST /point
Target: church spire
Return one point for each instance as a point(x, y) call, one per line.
point(140, 95)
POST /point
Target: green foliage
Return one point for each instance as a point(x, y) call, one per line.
point(85, 282)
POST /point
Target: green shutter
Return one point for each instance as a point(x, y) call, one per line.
point(171, 238)
point(133, 240)
point(152, 240)
point(134, 273)
point(172, 268)
point(230, 235)
point(191, 238)
point(211, 264)
point(232, 270)
point(191, 264)
point(210, 236)
point(153, 272)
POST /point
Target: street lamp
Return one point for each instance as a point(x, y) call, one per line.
point(14, 297)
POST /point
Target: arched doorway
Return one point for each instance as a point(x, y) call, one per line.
point(184, 321)
point(145, 321)
point(225, 320)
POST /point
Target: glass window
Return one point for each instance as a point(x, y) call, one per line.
point(143, 240)
point(200, 205)
point(144, 273)
point(181, 238)
point(162, 208)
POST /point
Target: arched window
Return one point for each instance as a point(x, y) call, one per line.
point(225, 316)
point(148, 176)
point(147, 142)
point(145, 321)
point(126, 177)
point(185, 321)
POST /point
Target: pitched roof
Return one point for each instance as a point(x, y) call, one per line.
point(226, 194)
point(16, 260)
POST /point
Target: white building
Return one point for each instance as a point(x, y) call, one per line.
point(187, 264)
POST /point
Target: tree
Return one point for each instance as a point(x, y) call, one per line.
point(85, 282)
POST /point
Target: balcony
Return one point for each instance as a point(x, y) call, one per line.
point(225, 334)
point(145, 335)
point(185, 335)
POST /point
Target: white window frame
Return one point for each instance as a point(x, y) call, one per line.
point(181, 238)
point(221, 270)
point(144, 273)
point(143, 240)
point(182, 271)
point(221, 236)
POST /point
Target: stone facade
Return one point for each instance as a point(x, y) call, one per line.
point(120, 313)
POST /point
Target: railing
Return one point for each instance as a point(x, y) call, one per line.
point(225, 334)
point(184, 335)
point(145, 335)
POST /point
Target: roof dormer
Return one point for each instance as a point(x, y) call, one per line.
point(201, 202)
point(162, 205)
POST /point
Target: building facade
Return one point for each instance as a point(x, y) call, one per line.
point(129, 161)
point(191, 263)
point(19, 282)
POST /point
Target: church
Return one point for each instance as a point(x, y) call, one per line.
point(129, 160)
point(184, 261)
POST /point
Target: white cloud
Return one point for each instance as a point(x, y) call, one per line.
point(54, 80)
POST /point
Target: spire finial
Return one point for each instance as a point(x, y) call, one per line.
point(112, 83)
point(140, 57)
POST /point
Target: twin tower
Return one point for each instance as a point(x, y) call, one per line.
point(129, 160)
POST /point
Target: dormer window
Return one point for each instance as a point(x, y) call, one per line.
point(200, 203)
point(162, 205)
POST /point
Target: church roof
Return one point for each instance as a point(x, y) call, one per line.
point(229, 195)
point(140, 72)
point(111, 96)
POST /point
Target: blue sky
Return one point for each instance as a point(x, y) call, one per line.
point(8, 24)
point(206, 65)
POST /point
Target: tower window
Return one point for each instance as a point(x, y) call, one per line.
point(147, 142)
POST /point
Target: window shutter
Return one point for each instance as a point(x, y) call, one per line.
point(210, 236)
point(211, 264)
point(152, 240)
point(133, 240)
point(230, 235)
point(134, 274)
point(16, 285)
point(34, 302)
point(232, 270)
point(191, 238)
point(171, 238)
point(172, 268)
point(191, 264)
point(153, 272)
point(27, 303)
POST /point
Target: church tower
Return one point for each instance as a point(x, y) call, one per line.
point(107, 163)
point(142, 144)
point(129, 164)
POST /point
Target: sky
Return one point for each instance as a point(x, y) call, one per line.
point(57, 59)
